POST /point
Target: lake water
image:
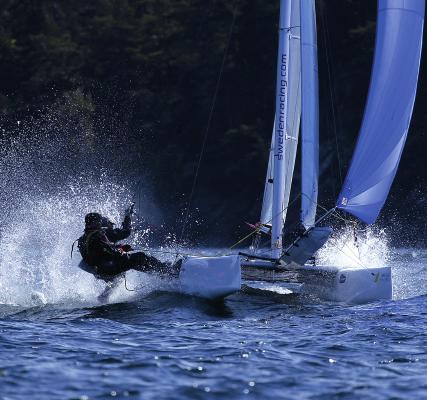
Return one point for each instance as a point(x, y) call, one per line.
point(57, 342)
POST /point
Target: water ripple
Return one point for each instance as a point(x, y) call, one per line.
point(164, 345)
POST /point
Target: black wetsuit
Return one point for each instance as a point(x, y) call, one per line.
point(106, 260)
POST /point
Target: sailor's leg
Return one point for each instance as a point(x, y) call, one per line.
point(145, 263)
point(109, 270)
point(111, 285)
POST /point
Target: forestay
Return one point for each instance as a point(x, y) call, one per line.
point(388, 109)
point(310, 114)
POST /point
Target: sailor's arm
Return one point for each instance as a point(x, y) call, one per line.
point(106, 247)
point(122, 233)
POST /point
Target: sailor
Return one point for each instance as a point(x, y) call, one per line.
point(106, 259)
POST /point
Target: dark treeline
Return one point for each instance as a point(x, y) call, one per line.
point(144, 72)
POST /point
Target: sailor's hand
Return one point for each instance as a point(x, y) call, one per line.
point(130, 210)
point(126, 247)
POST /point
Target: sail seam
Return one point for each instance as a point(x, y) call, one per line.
point(401, 9)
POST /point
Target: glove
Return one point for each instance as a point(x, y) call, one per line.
point(129, 211)
point(124, 248)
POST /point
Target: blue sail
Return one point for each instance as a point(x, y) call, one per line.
point(388, 110)
point(310, 114)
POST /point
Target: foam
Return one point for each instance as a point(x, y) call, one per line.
point(372, 249)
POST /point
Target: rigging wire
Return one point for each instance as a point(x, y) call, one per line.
point(353, 256)
point(131, 290)
point(326, 40)
point(198, 31)
point(257, 230)
point(211, 111)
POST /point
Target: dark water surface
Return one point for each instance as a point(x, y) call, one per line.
point(165, 345)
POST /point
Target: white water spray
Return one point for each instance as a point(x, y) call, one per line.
point(370, 250)
point(51, 172)
point(35, 245)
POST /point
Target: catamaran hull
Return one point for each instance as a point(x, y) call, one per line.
point(210, 277)
point(218, 277)
point(348, 285)
point(338, 284)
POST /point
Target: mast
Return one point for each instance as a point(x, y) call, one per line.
point(310, 115)
point(280, 127)
point(293, 122)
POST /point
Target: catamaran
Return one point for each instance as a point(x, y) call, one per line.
point(372, 170)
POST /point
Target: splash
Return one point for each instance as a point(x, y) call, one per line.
point(35, 245)
point(370, 250)
point(53, 171)
point(36, 264)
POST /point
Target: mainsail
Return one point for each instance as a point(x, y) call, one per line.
point(284, 141)
point(310, 114)
point(388, 110)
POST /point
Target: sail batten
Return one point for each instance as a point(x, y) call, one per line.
point(388, 110)
point(267, 201)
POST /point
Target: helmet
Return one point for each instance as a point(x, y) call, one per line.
point(93, 220)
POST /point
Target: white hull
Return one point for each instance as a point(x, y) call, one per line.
point(349, 285)
point(210, 277)
point(218, 277)
point(338, 284)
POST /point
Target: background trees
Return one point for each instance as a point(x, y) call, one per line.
point(137, 78)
